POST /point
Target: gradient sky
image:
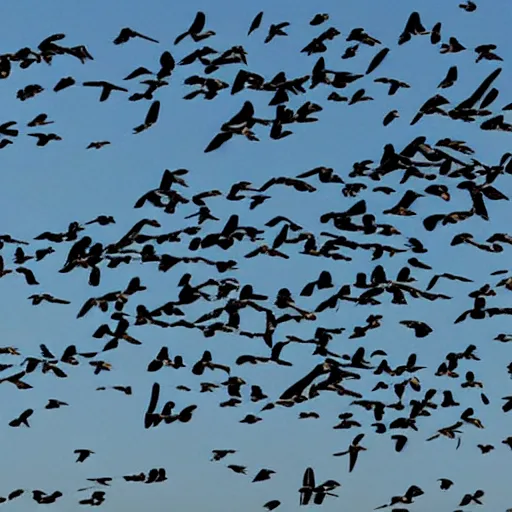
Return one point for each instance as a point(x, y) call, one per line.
point(46, 188)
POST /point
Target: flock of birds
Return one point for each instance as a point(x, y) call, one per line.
point(424, 169)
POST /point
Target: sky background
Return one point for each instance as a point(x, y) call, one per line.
point(47, 188)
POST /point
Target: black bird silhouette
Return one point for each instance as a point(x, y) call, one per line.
point(167, 65)
point(22, 419)
point(453, 46)
point(39, 120)
point(467, 499)
point(450, 78)
point(256, 22)
point(451, 277)
point(151, 118)
point(44, 138)
point(394, 85)
point(196, 30)
point(83, 454)
point(413, 27)
point(308, 486)
point(421, 329)
point(220, 454)
point(64, 83)
point(469, 6)
point(127, 33)
point(353, 451)
point(390, 117)
point(445, 483)
point(107, 88)
point(98, 144)
point(276, 30)
point(400, 442)
point(318, 19)
point(263, 474)
point(162, 359)
point(402, 207)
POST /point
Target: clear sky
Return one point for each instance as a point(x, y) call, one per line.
point(44, 189)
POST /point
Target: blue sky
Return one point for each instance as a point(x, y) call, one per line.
point(46, 188)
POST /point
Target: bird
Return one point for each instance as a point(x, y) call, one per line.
point(39, 120)
point(195, 31)
point(263, 474)
point(413, 27)
point(127, 33)
point(255, 23)
point(150, 119)
point(22, 419)
point(238, 469)
point(83, 454)
point(450, 78)
point(98, 144)
point(394, 85)
point(276, 30)
point(353, 451)
point(377, 60)
point(318, 19)
point(220, 454)
point(46, 297)
point(106, 88)
point(421, 329)
point(485, 448)
point(452, 46)
point(469, 6)
point(400, 442)
point(390, 117)
point(308, 486)
point(445, 483)
point(44, 138)
point(64, 83)
point(402, 207)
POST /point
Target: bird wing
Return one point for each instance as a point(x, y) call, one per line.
point(153, 112)
point(198, 23)
point(142, 36)
point(352, 459)
point(218, 140)
point(256, 22)
point(377, 60)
